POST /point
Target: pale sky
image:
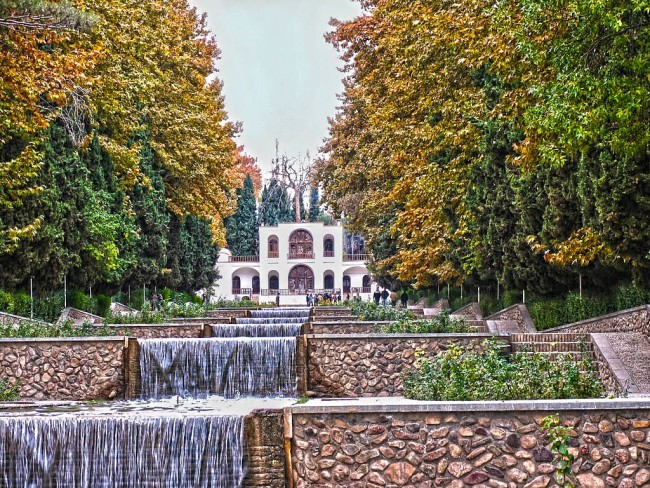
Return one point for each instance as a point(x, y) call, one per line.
point(280, 76)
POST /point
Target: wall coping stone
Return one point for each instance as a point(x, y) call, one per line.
point(20, 318)
point(346, 337)
point(612, 315)
point(404, 405)
point(13, 340)
point(618, 368)
point(166, 324)
point(529, 325)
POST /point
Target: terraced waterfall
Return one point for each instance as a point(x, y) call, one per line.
point(188, 430)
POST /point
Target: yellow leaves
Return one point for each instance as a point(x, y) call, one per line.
point(583, 247)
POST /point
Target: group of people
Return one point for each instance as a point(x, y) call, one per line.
point(315, 298)
point(385, 295)
point(156, 300)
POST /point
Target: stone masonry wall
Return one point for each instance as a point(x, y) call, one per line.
point(159, 331)
point(265, 456)
point(458, 449)
point(519, 313)
point(344, 327)
point(369, 365)
point(631, 320)
point(67, 369)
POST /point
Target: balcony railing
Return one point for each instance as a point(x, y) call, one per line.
point(356, 257)
point(244, 259)
point(328, 254)
point(274, 254)
point(285, 291)
point(300, 255)
point(242, 291)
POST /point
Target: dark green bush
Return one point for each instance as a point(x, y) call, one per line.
point(465, 374)
point(372, 311)
point(66, 329)
point(441, 324)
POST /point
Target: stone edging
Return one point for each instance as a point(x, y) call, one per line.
point(400, 404)
point(347, 337)
point(600, 318)
point(12, 340)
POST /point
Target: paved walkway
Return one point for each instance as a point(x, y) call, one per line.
point(633, 350)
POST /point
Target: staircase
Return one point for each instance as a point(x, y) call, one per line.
point(554, 345)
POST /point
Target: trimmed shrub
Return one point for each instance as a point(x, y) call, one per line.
point(441, 324)
point(465, 374)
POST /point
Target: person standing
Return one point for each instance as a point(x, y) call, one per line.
point(393, 299)
point(384, 297)
point(404, 298)
point(277, 300)
point(376, 296)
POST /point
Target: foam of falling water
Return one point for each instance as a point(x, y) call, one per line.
point(260, 367)
point(281, 312)
point(271, 320)
point(125, 452)
point(256, 330)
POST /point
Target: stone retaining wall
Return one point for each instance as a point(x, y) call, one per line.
point(471, 311)
point(265, 456)
point(89, 368)
point(496, 444)
point(343, 327)
point(229, 313)
point(631, 320)
point(367, 365)
point(160, 331)
point(518, 313)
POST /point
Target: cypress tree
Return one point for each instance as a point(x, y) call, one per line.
point(241, 227)
point(275, 206)
point(314, 211)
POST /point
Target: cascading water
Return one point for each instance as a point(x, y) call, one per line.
point(254, 357)
point(229, 367)
point(125, 450)
point(168, 443)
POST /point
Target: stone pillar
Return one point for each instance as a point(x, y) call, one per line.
point(265, 458)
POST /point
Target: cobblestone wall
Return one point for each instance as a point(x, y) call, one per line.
point(631, 320)
point(495, 449)
point(518, 313)
point(68, 369)
point(369, 365)
point(160, 331)
point(343, 328)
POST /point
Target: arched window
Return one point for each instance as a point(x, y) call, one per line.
point(274, 250)
point(346, 284)
point(328, 247)
point(274, 282)
point(301, 279)
point(301, 245)
point(366, 284)
point(236, 285)
point(328, 281)
point(256, 284)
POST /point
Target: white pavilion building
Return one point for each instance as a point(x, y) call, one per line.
point(295, 259)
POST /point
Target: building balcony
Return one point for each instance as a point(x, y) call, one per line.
point(274, 254)
point(244, 259)
point(301, 255)
point(286, 291)
point(356, 257)
point(242, 291)
point(328, 254)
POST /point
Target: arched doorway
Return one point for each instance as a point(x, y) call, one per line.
point(347, 284)
point(274, 282)
point(366, 284)
point(328, 280)
point(301, 279)
point(301, 245)
point(274, 249)
point(256, 284)
point(236, 285)
point(328, 247)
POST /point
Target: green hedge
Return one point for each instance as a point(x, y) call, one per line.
point(66, 329)
point(371, 311)
point(441, 324)
point(466, 374)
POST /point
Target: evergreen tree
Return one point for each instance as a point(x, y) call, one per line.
point(241, 227)
point(275, 206)
point(314, 210)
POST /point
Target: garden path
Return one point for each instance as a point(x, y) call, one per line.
point(633, 350)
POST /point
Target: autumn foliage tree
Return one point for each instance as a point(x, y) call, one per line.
point(485, 140)
point(112, 107)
